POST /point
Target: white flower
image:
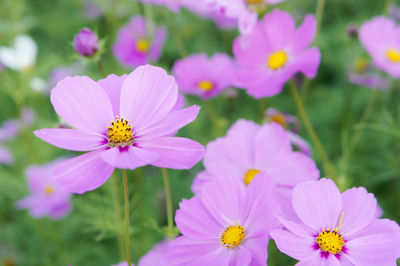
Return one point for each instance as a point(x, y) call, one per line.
point(21, 56)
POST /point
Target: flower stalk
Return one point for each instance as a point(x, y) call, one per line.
point(127, 235)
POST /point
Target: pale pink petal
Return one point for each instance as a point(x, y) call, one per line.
point(307, 62)
point(304, 34)
point(129, 157)
point(318, 260)
point(279, 26)
point(112, 84)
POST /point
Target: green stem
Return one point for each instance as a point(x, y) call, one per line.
point(330, 170)
point(170, 214)
point(262, 105)
point(319, 14)
point(118, 208)
point(127, 236)
point(101, 69)
point(177, 37)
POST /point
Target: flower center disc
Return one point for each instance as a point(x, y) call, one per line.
point(142, 45)
point(205, 85)
point(277, 60)
point(233, 236)
point(330, 241)
point(48, 190)
point(393, 55)
point(250, 175)
point(254, 1)
point(120, 133)
point(278, 118)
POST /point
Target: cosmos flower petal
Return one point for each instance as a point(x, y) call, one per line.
point(242, 256)
point(359, 209)
point(83, 173)
point(318, 203)
point(175, 152)
point(147, 95)
point(112, 84)
point(82, 103)
point(318, 260)
point(201, 178)
point(258, 254)
point(308, 62)
point(304, 34)
point(71, 139)
point(129, 158)
point(279, 27)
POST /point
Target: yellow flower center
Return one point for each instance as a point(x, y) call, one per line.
point(278, 118)
point(142, 45)
point(254, 1)
point(49, 190)
point(206, 85)
point(277, 60)
point(330, 241)
point(393, 55)
point(120, 133)
point(250, 175)
point(233, 236)
point(360, 65)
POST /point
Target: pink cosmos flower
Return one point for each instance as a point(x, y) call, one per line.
point(226, 224)
point(203, 76)
point(156, 256)
point(47, 197)
point(274, 52)
point(123, 264)
point(337, 229)
point(365, 74)
point(137, 46)
point(124, 122)
point(6, 156)
point(249, 149)
point(381, 38)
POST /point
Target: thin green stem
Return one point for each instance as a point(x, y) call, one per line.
point(117, 196)
point(127, 236)
point(168, 198)
point(262, 105)
point(101, 69)
point(177, 37)
point(319, 14)
point(330, 170)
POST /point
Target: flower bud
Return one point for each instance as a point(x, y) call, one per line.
point(86, 42)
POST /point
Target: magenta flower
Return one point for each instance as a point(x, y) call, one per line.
point(156, 256)
point(203, 76)
point(226, 224)
point(135, 46)
point(337, 229)
point(249, 149)
point(47, 197)
point(6, 156)
point(274, 52)
point(124, 122)
point(366, 74)
point(86, 42)
point(380, 37)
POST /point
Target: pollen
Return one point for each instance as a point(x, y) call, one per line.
point(142, 45)
point(205, 85)
point(120, 133)
point(277, 60)
point(330, 241)
point(250, 175)
point(278, 118)
point(393, 55)
point(48, 190)
point(254, 1)
point(232, 236)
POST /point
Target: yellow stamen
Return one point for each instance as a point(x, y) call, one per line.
point(254, 1)
point(250, 175)
point(278, 118)
point(330, 241)
point(48, 190)
point(277, 60)
point(142, 45)
point(120, 133)
point(232, 236)
point(393, 55)
point(205, 85)
point(360, 65)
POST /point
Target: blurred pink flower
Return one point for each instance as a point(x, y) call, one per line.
point(173, 5)
point(274, 52)
point(103, 113)
point(226, 224)
point(6, 156)
point(381, 38)
point(366, 74)
point(203, 76)
point(86, 42)
point(248, 149)
point(337, 229)
point(47, 197)
point(156, 256)
point(123, 264)
point(137, 46)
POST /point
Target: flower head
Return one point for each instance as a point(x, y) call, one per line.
point(137, 46)
point(226, 224)
point(124, 122)
point(274, 52)
point(249, 149)
point(21, 56)
point(337, 229)
point(47, 197)
point(6, 156)
point(380, 37)
point(86, 42)
point(203, 76)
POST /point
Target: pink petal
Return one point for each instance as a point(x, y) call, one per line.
point(279, 27)
point(82, 103)
point(83, 173)
point(318, 260)
point(71, 139)
point(318, 203)
point(129, 158)
point(175, 152)
point(112, 84)
point(304, 34)
point(308, 62)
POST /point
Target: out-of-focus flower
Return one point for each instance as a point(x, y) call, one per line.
point(292, 126)
point(38, 84)
point(156, 256)
point(274, 52)
point(352, 31)
point(61, 72)
point(47, 197)
point(226, 224)
point(92, 10)
point(6, 156)
point(380, 37)
point(9, 129)
point(365, 74)
point(203, 76)
point(123, 264)
point(173, 5)
point(124, 122)
point(337, 229)
point(249, 149)
point(394, 12)
point(136, 45)
point(21, 56)
point(86, 42)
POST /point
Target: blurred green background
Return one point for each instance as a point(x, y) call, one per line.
point(88, 235)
